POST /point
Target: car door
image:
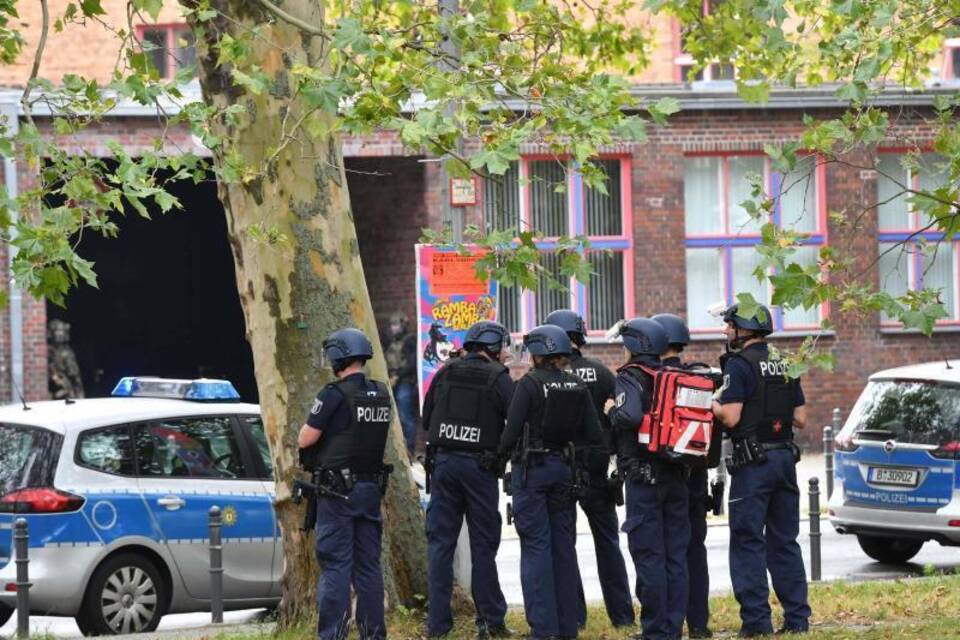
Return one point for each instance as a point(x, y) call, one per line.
point(252, 426)
point(187, 465)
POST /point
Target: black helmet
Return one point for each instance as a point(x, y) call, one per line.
point(643, 336)
point(761, 323)
point(491, 335)
point(569, 321)
point(347, 344)
point(676, 328)
point(548, 340)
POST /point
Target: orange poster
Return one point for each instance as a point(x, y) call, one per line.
point(453, 274)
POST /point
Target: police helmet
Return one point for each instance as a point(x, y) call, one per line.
point(488, 334)
point(347, 344)
point(569, 321)
point(548, 340)
point(643, 336)
point(676, 328)
point(761, 323)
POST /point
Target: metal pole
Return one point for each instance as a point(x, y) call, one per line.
point(815, 529)
point(21, 538)
point(216, 567)
point(837, 420)
point(828, 458)
point(452, 216)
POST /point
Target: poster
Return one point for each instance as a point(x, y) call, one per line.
point(450, 299)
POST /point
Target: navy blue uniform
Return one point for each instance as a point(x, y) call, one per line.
point(348, 533)
point(599, 502)
point(764, 503)
point(698, 602)
point(464, 484)
point(658, 519)
point(543, 503)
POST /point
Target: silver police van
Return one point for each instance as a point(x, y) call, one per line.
point(897, 482)
point(116, 492)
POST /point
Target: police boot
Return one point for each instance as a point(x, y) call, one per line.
point(787, 630)
point(485, 633)
point(700, 633)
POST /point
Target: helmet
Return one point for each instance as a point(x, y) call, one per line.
point(761, 323)
point(676, 328)
point(491, 335)
point(548, 340)
point(347, 343)
point(569, 321)
point(643, 336)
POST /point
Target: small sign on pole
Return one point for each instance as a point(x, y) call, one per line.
point(463, 192)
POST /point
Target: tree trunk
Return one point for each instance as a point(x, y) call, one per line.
point(296, 291)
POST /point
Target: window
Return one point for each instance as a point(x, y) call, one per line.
point(190, 448)
point(169, 47)
point(910, 257)
point(28, 457)
point(255, 426)
point(550, 196)
point(721, 237)
point(951, 59)
point(684, 62)
point(108, 450)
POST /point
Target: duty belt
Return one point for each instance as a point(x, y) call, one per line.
point(775, 446)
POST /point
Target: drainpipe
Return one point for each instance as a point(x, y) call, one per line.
point(10, 113)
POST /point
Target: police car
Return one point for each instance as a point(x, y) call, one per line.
point(897, 482)
point(116, 492)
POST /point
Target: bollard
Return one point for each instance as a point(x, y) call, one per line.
point(21, 539)
point(828, 458)
point(815, 529)
point(216, 567)
point(837, 420)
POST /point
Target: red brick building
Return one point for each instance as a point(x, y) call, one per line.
point(670, 237)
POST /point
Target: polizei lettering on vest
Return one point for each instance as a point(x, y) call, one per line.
point(459, 432)
point(373, 414)
point(587, 374)
point(558, 385)
point(773, 368)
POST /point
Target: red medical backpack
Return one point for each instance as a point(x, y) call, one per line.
point(679, 425)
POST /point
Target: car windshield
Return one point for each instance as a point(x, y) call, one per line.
point(28, 457)
point(910, 411)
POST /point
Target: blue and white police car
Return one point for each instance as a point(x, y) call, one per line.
point(116, 492)
point(897, 481)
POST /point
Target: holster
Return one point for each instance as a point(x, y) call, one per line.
point(641, 472)
point(615, 487)
point(746, 451)
point(508, 484)
point(715, 497)
point(490, 461)
point(429, 461)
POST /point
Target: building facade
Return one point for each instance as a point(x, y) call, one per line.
point(670, 236)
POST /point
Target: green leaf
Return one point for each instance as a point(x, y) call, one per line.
point(662, 108)
point(91, 8)
point(755, 92)
point(152, 7)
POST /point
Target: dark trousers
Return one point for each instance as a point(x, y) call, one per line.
point(406, 396)
point(459, 487)
point(764, 525)
point(544, 513)
point(658, 530)
point(600, 507)
point(698, 611)
point(348, 552)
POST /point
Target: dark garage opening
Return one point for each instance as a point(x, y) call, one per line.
point(167, 304)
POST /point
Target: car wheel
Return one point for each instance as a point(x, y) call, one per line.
point(889, 550)
point(125, 595)
point(5, 612)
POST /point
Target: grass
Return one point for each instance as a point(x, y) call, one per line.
point(907, 608)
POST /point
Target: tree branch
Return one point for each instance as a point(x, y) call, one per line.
point(37, 57)
point(304, 26)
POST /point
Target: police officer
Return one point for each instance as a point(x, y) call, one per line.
point(698, 611)
point(464, 413)
point(343, 440)
point(551, 409)
point(761, 407)
point(658, 521)
point(599, 499)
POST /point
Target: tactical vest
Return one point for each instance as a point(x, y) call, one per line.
point(360, 446)
point(768, 413)
point(464, 416)
point(596, 458)
point(557, 415)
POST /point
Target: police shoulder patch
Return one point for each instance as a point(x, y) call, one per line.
point(317, 405)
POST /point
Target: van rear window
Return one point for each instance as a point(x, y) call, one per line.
point(28, 457)
point(908, 411)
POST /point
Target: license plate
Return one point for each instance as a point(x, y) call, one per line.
point(895, 476)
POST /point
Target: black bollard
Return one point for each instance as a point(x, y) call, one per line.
point(21, 538)
point(815, 529)
point(216, 567)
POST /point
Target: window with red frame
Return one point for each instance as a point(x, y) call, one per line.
point(721, 237)
point(550, 196)
point(912, 258)
point(684, 62)
point(170, 47)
